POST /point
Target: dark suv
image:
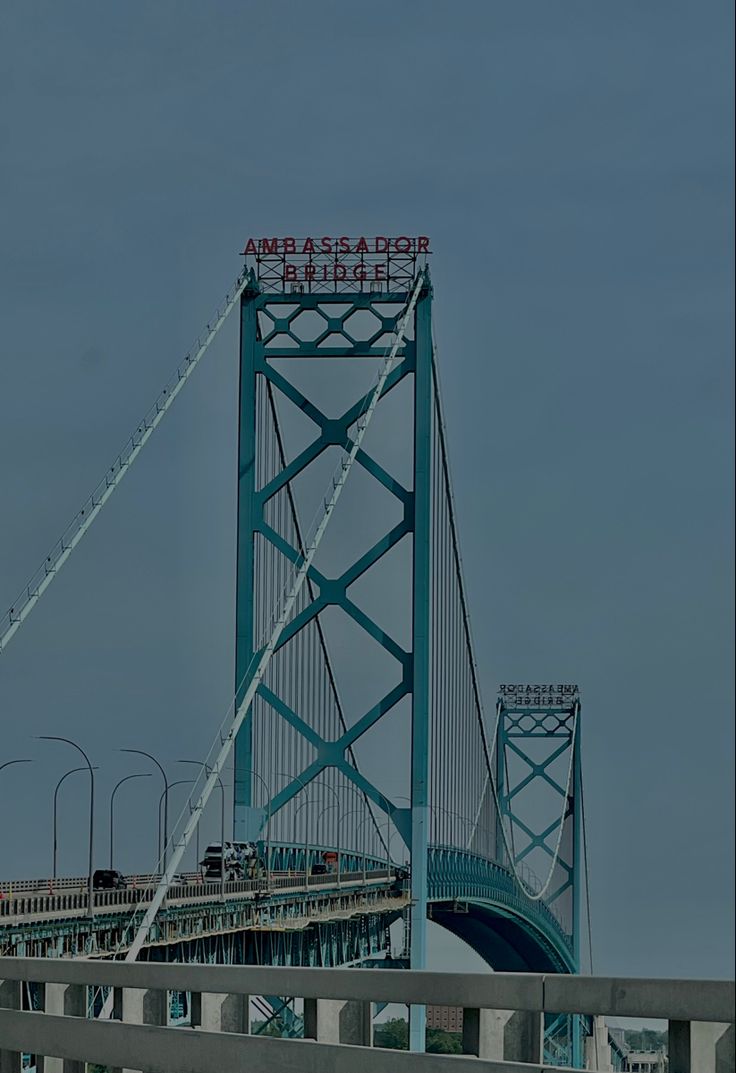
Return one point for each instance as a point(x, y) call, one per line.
point(108, 879)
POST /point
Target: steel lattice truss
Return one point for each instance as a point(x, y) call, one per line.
point(539, 746)
point(299, 725)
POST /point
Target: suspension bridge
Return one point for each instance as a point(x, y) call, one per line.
point(357, 734)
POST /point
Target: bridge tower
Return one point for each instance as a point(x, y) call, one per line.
point(538, 777)
point(538, 780)
point(312, 306)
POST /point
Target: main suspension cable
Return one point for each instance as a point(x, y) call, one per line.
point(39, 582)
point(586, 870)
point(488, 752)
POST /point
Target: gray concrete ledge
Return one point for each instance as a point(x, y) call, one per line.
point(678, 1000)
point(171, 1050)
point(686, 1000)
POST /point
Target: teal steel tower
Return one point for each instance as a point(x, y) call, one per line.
point(283, 323)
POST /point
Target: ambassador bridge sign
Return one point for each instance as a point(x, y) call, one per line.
point(377, 263)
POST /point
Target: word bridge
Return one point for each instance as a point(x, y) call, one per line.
point(337, 263)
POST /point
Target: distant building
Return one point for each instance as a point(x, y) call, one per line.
point(646, 1062)
point(448, 1018)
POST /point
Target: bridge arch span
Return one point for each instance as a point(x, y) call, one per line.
point(480, 902)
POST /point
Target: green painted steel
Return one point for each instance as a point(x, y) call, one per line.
point(421, 700)
point(245, 525)
point(536, 737)
point(256, 916)
point(257, 353)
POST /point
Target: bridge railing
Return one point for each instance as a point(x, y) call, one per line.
point(351, 863)
point(32, 904)
point(52, 886)
point(502, 1025)
point(454, 870)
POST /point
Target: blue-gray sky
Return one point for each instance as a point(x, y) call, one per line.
point(572, 163)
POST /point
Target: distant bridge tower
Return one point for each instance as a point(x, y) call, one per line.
point(538, 779)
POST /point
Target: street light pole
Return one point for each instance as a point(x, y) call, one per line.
point(389, 824)
point(141, 752)
point(142, 775)
point(165, 794)
point(90, 886)
point(365, 846)
point(363, 799)
point(206, 767)
point(9, 762)
point(354, 812)
point(332, 790)
point(267, 788)
point(319, 818)
point(56, 794)
point(306, 844)
point(295, 778)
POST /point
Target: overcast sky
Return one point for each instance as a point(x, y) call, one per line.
point(572, 164)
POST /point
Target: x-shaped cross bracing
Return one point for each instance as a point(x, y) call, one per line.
point(334, 591)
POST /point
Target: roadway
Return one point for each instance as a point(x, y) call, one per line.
point(47, 900)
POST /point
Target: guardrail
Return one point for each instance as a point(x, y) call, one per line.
point(502, 1026)
point(38, 905)
point(51, 886)
point(9, 887)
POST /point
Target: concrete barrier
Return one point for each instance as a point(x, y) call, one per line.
point(503, 1017)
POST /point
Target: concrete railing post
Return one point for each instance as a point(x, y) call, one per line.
point(10, 999)
point(134, 1005)
point(220, 1013)
point(338, 1021)
point(524, 1037)
point(726, 1050)
point(700, 1047)
point(67, 1000)
point(483, 1032)
point(597, 1047)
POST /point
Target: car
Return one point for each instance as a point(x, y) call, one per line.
point(319, 869)
point(401, 878)
point(108, 879)
point(240, 859)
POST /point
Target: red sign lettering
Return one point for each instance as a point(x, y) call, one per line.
point(349, 264)
point(327, 245)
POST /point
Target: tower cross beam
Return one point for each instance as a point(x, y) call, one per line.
point(327, 437)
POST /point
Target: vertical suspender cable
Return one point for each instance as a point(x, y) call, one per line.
point(530, 894)
point(315, 698)
point(263, 658)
